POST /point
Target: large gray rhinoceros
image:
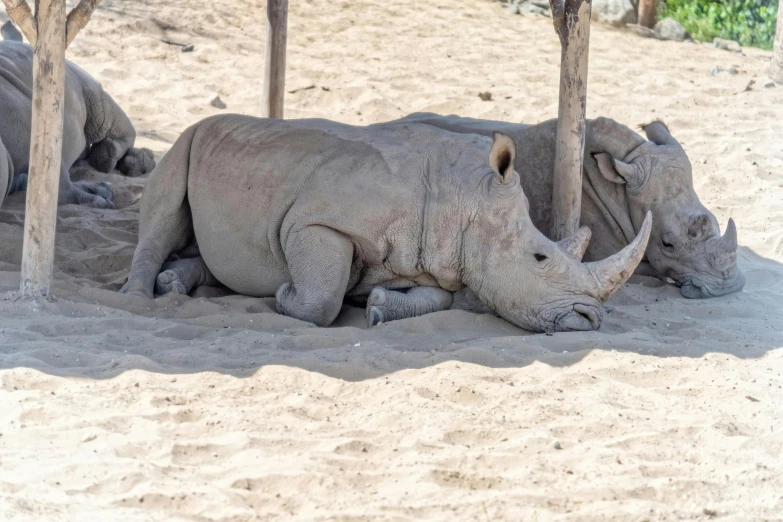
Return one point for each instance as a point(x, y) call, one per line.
point(625, 176)
point(94, 127)
point(311, 211)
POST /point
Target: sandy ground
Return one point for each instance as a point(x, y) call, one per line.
point(214, 408)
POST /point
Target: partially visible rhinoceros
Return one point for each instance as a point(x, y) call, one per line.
point(94, 127)
point(625, 177)
point(311, 211)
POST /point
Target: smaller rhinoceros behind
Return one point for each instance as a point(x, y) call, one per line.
point(311, 211)
point(624, 178)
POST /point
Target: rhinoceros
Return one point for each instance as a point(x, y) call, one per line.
point(312, 211)
point(624, 177)
point(94, 128)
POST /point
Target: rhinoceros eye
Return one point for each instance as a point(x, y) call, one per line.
point(540, 257)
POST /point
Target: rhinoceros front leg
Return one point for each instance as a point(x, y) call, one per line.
point(389, 305)
point(319, 262)
point(136, 162)
point(183, 275)
point(105, 154)
point(93, 194)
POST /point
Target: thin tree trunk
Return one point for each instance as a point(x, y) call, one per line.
point(776, 68)
point(572, 23)
point(647, 13)
point(45, 149)
point(274, 70)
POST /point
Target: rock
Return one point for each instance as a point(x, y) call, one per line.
point(485, 96)
point(557, 445)
point(615, 12)
point(733, 70)
point(644, 32)
point(670, 29)
point(727, 45)
point(769, 85)
point(217, 103)
point(716, 70)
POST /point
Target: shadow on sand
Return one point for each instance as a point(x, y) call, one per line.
point(92, 331)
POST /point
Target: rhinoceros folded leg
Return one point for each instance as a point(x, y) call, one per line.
point(105, 154)
point(183, 275)
point(19, 183)
point(319, 262)
point(136, 162)
point(390, 305)
point(93, 194)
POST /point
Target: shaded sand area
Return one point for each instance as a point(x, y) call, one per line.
point(214, 408)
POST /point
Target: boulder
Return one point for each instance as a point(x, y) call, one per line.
point(670, 29)
point(615, 12)
point(727, 45)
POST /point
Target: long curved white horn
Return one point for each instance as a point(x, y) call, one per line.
point(612, 272)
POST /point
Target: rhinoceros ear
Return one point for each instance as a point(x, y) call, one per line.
point(658, 133)
point(615, 170)
point(501, 156)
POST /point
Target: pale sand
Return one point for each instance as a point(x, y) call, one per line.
point(215, 408)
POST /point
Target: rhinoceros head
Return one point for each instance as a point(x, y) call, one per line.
point(686, 244)
point(525, 277)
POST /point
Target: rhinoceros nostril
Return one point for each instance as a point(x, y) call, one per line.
point(589, 314)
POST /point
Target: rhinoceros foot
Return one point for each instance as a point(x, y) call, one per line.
point(169, 281)
point(96, 194)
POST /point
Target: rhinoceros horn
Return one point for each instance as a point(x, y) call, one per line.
point(576, 244)
point(728, 242)
point(613, 271)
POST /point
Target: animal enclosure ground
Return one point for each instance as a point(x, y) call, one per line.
point(215, 408)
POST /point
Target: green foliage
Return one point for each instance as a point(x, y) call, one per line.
point(749, 22)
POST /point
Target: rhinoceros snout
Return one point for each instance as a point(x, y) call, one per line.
point(580, 318)
point(696, 289)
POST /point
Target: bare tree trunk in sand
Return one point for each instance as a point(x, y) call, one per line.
point(45, 149)
point(776, 68)
point(572, 23)
point(274, 70)
point(647, 13)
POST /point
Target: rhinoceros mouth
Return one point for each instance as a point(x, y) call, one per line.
point(580, 318)
point(697, 289)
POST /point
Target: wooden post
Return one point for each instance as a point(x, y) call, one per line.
point(776, 68)
point(647, 13)
point(274, 69)
point(45, 149)
point(572, 23)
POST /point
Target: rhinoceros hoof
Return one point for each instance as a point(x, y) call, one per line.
point(377, 297)
point(98, 188)
point(129, 289)
point(374, 316)
point(167, 282)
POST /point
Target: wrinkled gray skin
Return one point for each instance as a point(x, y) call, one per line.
point(311, 211)
point(625, 176)
point(94, 128)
